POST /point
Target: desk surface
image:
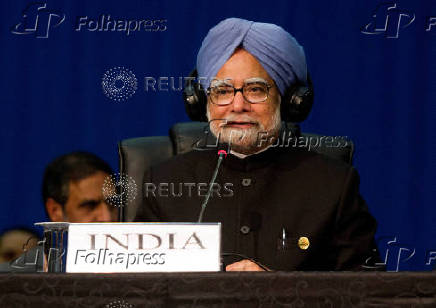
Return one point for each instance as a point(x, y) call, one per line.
point(236, 289)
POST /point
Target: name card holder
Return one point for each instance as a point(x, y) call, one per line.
point(143, 247)
point(53, 246)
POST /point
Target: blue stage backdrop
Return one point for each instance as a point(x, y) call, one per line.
point(372, 64)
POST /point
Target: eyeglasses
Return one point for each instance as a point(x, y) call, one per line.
point(253, 92)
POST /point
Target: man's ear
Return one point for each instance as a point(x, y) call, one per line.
point(55, 210)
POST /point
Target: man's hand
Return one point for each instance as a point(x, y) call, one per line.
point(244, 265)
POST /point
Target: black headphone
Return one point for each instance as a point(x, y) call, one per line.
point(295, 106)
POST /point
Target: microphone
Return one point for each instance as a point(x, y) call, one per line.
point(221, 155)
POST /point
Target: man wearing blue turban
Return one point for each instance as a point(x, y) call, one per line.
point(290, 208)
point(276, 50)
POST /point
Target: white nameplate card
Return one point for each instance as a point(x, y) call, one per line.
point(143, 247)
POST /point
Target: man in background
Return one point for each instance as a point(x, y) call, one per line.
point(72, 189)
point(72, 192)
point(14, 240)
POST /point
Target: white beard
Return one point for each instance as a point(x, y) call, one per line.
point(245, 140)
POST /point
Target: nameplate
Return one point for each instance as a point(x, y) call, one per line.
point(143, 247)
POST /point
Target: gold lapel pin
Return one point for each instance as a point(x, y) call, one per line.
point(303, 243)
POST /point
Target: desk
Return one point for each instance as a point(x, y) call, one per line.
point(235, 289)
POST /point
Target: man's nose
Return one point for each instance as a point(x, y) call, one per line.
point(103, 213)
point(240, 104)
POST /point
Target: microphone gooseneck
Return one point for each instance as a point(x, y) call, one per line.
point(221, 154)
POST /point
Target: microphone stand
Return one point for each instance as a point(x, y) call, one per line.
point(221, 154)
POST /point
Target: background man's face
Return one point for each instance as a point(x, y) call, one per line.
point(244, 121)
point(13, 242)
point(86, 202)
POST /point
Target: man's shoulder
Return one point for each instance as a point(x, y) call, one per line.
point(302, 158)
point(309, 162)
point(181, 162)
point(316, 169)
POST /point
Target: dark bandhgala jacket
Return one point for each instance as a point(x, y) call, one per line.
point(287, 208)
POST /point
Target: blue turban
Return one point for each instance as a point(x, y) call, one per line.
point(277, 51)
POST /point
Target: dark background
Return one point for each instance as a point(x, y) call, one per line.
point(376, 90)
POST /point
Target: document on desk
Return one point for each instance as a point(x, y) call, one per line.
point(143, 247)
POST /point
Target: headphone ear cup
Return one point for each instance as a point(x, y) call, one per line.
point(194, 98)
point(297, 102)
